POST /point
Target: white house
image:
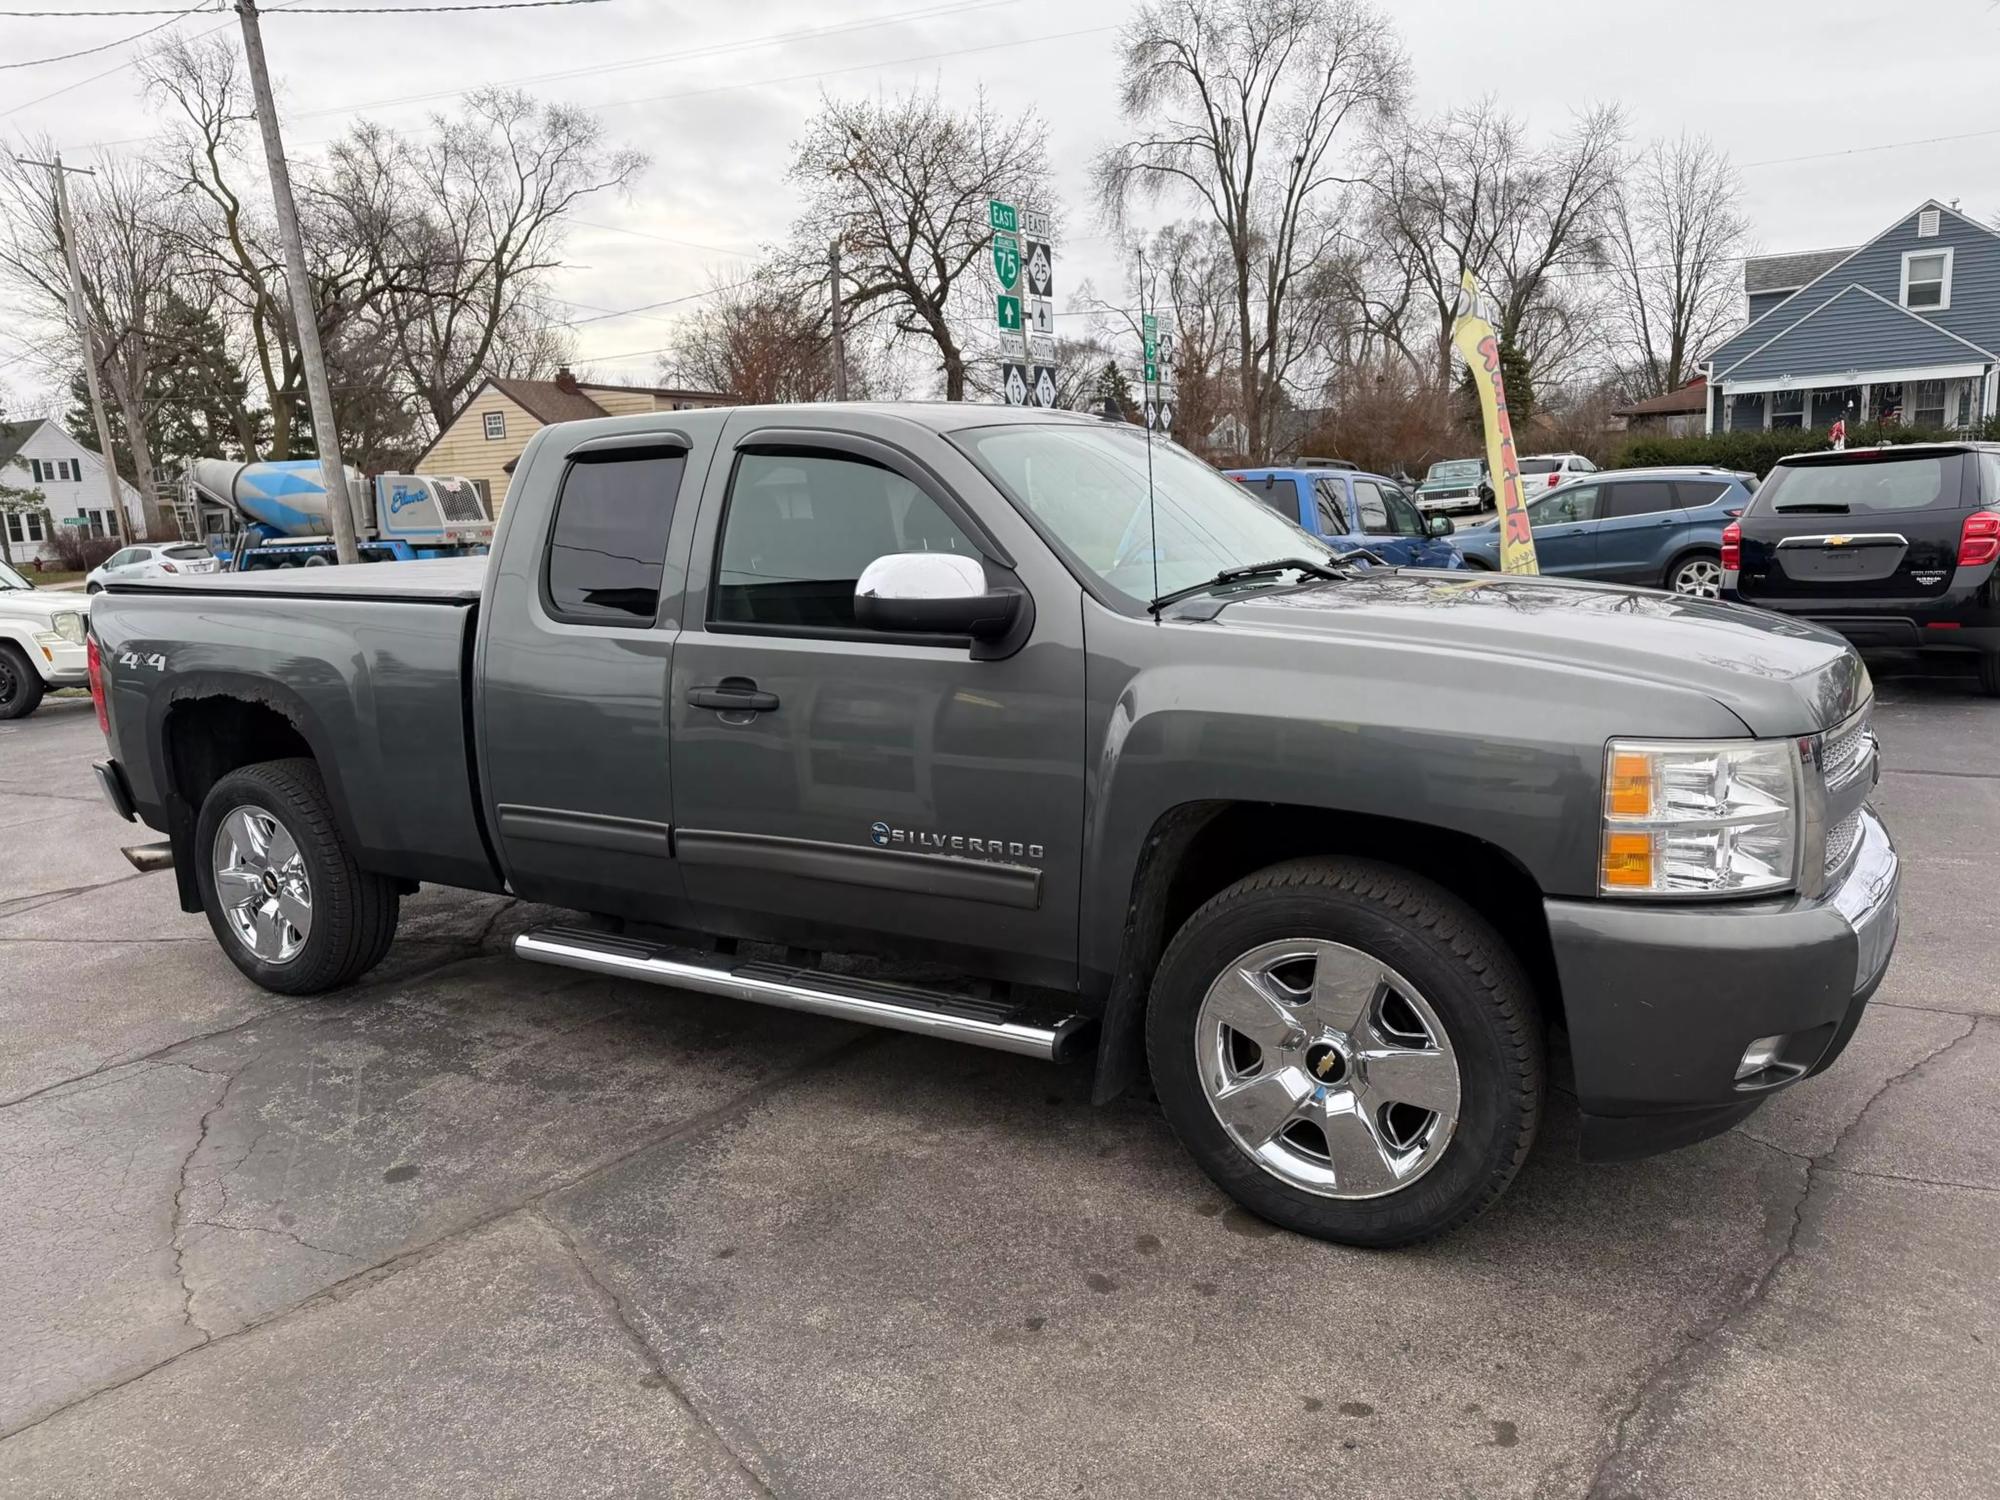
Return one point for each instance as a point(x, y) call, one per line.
point(38, 454)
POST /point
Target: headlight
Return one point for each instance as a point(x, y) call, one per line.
point(1683, 818)
point(70, 627)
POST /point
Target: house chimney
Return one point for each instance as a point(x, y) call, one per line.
point(566, 379)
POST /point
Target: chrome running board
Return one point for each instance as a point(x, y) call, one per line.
point(958, 1018)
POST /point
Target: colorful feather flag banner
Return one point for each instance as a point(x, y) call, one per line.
point(1475, 339)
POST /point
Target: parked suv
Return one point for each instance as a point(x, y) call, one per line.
point(1544, 471)
point(1658, 527)
point(41, 643)
point(1355, 511)
point(1455, 484)
point(150, 560)
point(1892, 547)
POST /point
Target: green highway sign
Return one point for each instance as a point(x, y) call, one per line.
point(1152, 373)
point(1010, 313)
point(1151, 325)
point(1152, 348)
point(1002, 215)
point(1007, 260)
point(75, 521)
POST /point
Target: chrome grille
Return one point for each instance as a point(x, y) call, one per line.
point(1848, 752)
point(459, 502)
point(1841, 839)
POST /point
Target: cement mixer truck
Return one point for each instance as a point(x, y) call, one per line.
point(276, 515)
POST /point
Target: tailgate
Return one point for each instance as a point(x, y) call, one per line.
point(1870, 525)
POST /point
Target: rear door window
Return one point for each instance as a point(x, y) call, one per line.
point(608, 546)
point(1331, 507)
point(1637, 497)
point(801, 527)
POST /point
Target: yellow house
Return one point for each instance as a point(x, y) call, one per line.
point(493, 427)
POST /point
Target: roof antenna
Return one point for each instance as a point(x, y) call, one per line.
point(1146, 421)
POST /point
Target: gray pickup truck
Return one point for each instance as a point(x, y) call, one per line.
point(1017, 729)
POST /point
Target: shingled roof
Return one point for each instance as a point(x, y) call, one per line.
point(1784, 273)
point(14, 434)
point(550, 400)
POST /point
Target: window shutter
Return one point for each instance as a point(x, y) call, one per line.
point(1927, 224)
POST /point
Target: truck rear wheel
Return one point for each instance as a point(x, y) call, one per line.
point(287, 902)
point(1347, 1050)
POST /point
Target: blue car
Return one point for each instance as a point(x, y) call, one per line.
point(1349, 509)
point(1657, 527)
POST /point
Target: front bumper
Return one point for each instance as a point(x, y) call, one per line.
point(62, 664)
point(1662, 1000)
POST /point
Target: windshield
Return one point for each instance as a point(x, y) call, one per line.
point(1854, 485)
point(1456, 468)
point(1086, 485)
point(9, 579)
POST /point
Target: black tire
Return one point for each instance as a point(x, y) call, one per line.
point(1477, 564)
point(93, 588)
point(1989, 676)
point(20, 684)
point(1465, 972)
point(353, 912)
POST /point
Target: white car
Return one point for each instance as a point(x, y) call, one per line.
point(1544, 471)
point(150, 560)
point(42, 636)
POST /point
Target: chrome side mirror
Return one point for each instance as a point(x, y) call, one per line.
point(938, 593)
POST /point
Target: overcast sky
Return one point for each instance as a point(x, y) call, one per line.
point(1771, 82)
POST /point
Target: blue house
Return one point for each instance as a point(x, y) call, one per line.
point(1904, 328)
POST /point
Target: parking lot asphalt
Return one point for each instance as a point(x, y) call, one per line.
point(482, 1228)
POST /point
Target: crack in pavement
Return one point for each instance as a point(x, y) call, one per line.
point(15, 906)
point(1677, 1372)
point(416, 1255)
point(175, 1224)
point(628, 1322)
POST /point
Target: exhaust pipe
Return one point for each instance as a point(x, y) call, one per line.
point(146, 858)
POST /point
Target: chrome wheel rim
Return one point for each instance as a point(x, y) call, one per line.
point(1327, 1068)
point(261, 883)
point(1701, 577)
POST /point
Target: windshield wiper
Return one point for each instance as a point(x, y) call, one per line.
point(1248, 570)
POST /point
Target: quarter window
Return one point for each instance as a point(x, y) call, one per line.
point(1692, 494)
point(608, 546)
point(801, 527)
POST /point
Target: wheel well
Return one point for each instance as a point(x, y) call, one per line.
point(203, 740)
point(1199, 856)
point(1699, 549)
point(1477, 564)
point(207, 738)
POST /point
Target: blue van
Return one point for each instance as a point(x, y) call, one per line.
point(1350, 509)
point(1658, 527)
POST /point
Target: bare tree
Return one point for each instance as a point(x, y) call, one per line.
point(127, 263)
point(471, 224)
point(904, 182)
point(1676, 237)
point(761, 343)
point(1242, 105)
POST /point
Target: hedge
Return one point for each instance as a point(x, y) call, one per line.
point(1757, 451)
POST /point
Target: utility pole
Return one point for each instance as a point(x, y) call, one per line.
point(839, 321)
point(80, 316)
point(319, 395)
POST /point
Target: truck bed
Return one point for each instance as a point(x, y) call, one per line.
point(444, 580)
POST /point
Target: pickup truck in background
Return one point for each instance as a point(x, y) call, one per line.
point(1129, 765)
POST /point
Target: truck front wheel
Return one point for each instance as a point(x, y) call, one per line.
point(283, 893)
point(1347, 1050)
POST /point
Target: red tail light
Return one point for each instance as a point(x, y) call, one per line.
point(168, 568)
point(1732, 547)
point(1979, 539)
point(1554, 480)
point(95, 660)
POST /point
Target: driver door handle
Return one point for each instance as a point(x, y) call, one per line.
point(733, 694)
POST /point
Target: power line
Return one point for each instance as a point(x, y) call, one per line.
point(1929, 140)
point(410, 10)
point(36, 62)
point(714, 291)
point(121, 67)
